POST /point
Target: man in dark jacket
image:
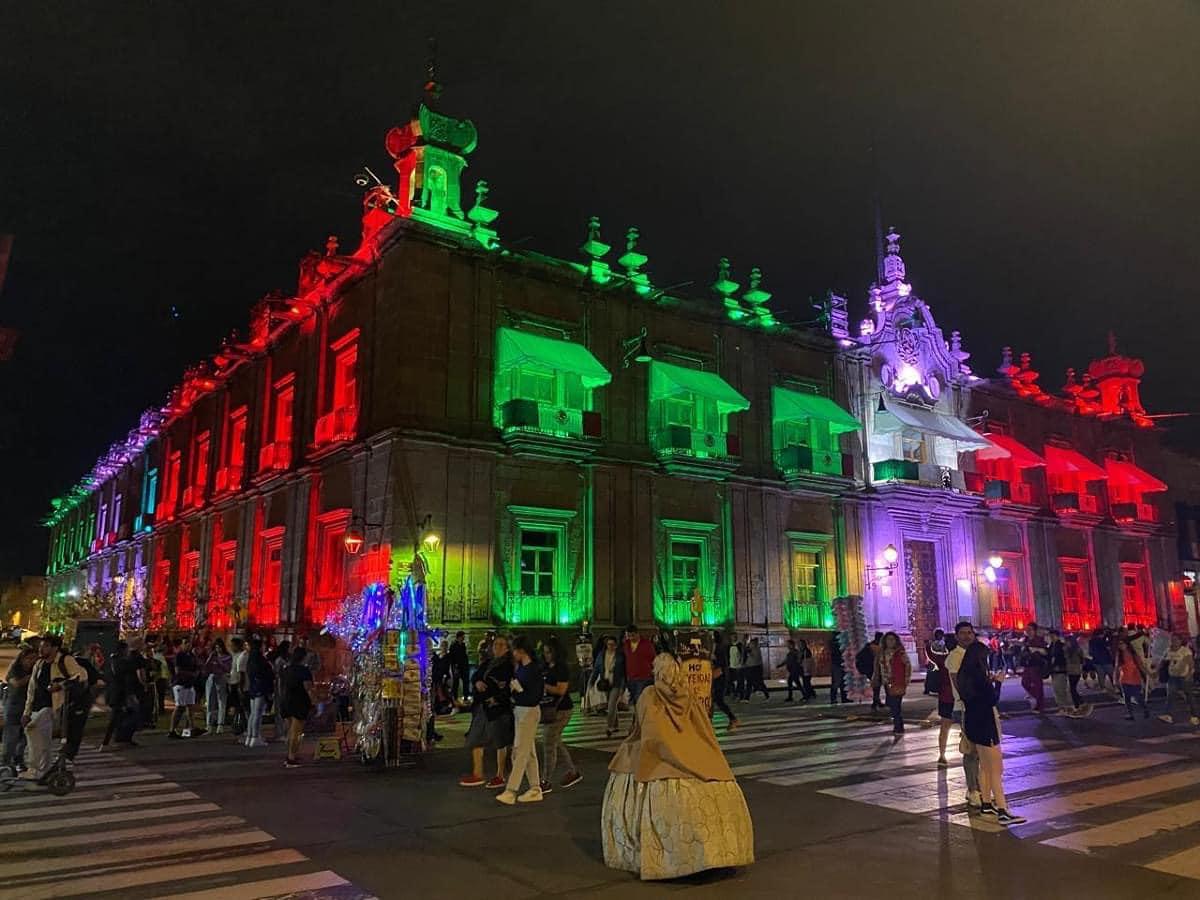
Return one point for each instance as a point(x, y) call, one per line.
point(460, 665)
point(837, 670)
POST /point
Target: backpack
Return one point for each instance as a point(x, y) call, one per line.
point(864, 661)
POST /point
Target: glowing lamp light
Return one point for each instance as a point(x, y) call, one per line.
point(990, 574)
point(906, 377)
point(73, 592)
point(995, 561)
point(890, 554)
point(353, 539)
point(431, 540)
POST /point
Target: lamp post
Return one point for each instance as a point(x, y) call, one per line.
point(875, 573)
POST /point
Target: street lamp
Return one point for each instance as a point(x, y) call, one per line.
point(875, 573)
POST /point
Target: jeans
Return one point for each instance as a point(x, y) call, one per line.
point(1180, 686)
point(75, 716)
point(737, 682)
point(553, 746)
point(216, 698)
point(14, 736)
point(793, 682)
point(524, 757)
point(1073, 681)
point(1134, 692)
point(837, 684)
point(460, 677)
point(809, 693)
point(614, 701)
point(636, 686)
point(258, 705)
point(39, 733)
point(893, 705)
point(718, 699)
point(1062, 690)
point(294, 735)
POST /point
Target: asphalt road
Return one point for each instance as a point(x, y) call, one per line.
point(840, 810)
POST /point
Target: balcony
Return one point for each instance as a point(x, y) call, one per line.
point(796, 460)
point(547, 609)
point(228, 478)
point(798, 614)
point(110, 539)
point(1080, 621)
point(540, 429)
point(896, 470)
point(1071, 503)
point(695, 453)
point(999, 492)
point(193, 496)
point(276, 457)
point(336, 426)
point(144, 522)
point(1134, 515)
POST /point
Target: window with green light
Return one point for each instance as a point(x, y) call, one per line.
point(689, 550)
point(544, 384)
point(689, 410)
point(538, 552)
point(543, 562)
point(687, 562)
point(805, 426)
point(809, 606)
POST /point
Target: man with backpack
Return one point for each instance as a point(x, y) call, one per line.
point(58, 686)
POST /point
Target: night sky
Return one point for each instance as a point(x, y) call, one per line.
point(164, 165)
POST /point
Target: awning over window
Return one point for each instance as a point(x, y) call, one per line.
point(523, 348)
point(899, 416)
point(1064, 460)
point(792, 406)
point(667, 380)
point(1128, 473)
point(1022, 456)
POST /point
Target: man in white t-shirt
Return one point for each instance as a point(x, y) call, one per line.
point(964, 637)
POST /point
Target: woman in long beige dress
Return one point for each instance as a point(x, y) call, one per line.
point(672, 806)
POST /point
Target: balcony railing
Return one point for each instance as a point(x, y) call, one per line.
point(1134, 512)
point(998, 490)
point(337, 425)
point(545, 609)
point(794, 459)
point(896, 470)
point(677, 440)
point(1011, 619)
point(1080, 621)
point(275, 457)
point(804, 614)
point(558, 421)
point(228, 478)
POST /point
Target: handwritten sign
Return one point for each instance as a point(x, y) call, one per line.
point(698, 672)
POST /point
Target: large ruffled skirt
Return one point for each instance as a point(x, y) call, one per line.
point(674, 826)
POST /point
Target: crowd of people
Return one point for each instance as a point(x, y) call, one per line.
point(213, 686)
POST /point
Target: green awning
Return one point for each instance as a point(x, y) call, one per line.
point(793, 406)
point(667, 380)
point(523, 348)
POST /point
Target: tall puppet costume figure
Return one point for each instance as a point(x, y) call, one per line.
point(672, 806)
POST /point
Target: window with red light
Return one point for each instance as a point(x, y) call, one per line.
point(1137, 603)
point(285, 397)
point(330, 563)
point(233, 452)
point(189, 582)
point(339, 419)
point(171, 484)
point(266, 597)
point(1080, 612)
point(200, 467)
point(158, 593)
point(1011, 610)
point(224, 575)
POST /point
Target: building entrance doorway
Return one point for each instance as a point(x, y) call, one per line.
point(921, 592)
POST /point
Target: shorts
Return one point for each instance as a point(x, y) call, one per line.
point(946, 710)
point(184, 696)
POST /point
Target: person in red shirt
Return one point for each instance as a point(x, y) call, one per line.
point(639, 663)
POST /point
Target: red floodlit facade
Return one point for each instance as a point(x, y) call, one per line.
point(662, 446)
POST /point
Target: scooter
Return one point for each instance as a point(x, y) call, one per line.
point(59, 780)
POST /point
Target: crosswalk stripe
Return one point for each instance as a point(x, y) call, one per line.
point(122, 803)
point(55, 823)
point(11, 801)
point(917, 798)
point(87, 781)
point(271, 887)
point(1171, 738)
point(137, 852)
point(1185, 864)
point(92, 884)
point(1128, 830)
point(16, 848)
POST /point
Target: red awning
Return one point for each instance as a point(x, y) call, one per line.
point(1061, 460)
point(1128, 473)
point(1022, 457)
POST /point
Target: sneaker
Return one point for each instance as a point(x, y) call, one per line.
point(572, 779)
point(1004, 817)
point(220, 729)
point(546, 787)
point(291, 763)
point(986, 809)
point(471, 781)
point(733, 726)
point(533, 795)
point(941, 763)
point(508, 798)
point(174, 735)
point(495, 783)
point(258, 742)
point(1170, 720)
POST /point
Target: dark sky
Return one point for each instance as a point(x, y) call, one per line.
point(1039, 159)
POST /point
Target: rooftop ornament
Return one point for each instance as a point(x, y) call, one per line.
point(725, 288)
point(756, 299)
point(595, 249)
point(632, 261)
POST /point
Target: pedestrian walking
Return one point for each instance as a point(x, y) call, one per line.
point(938, 654)
point(527, 688)
point(239, 701)
point(737, 654)
point(491, 714)
point(867, 663)
point(808, 665)
point(1132, 670)
point(557, 679)
point(610, 681)
point(893, 672)
point(120, 696)
point(1100, 647)
point(460, 667)
point(1034, 666)
point(791, 662)
point(1060, 681)
point(1076, 661)
point(183, 686)
point(754, 671)
point(280, 660)
point(964, 637)
point(17, 678)
point(1181, 670)
point(720, 680)
point(260, 688)
point(58, 689)
point(217, 667)
point(639, 663)
point(981, 724)
point(297, 703)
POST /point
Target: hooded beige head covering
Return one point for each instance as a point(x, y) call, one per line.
point(672, 736)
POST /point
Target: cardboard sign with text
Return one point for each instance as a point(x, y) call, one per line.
point(698, 672)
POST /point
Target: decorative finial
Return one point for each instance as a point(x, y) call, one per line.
point(596, 248)
point(331, 245)
point(433, 90)
point(632, 262)
point(756, 298)
point(725, 288)
point(893, 264)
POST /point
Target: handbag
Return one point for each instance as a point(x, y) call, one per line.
point(603, 684)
